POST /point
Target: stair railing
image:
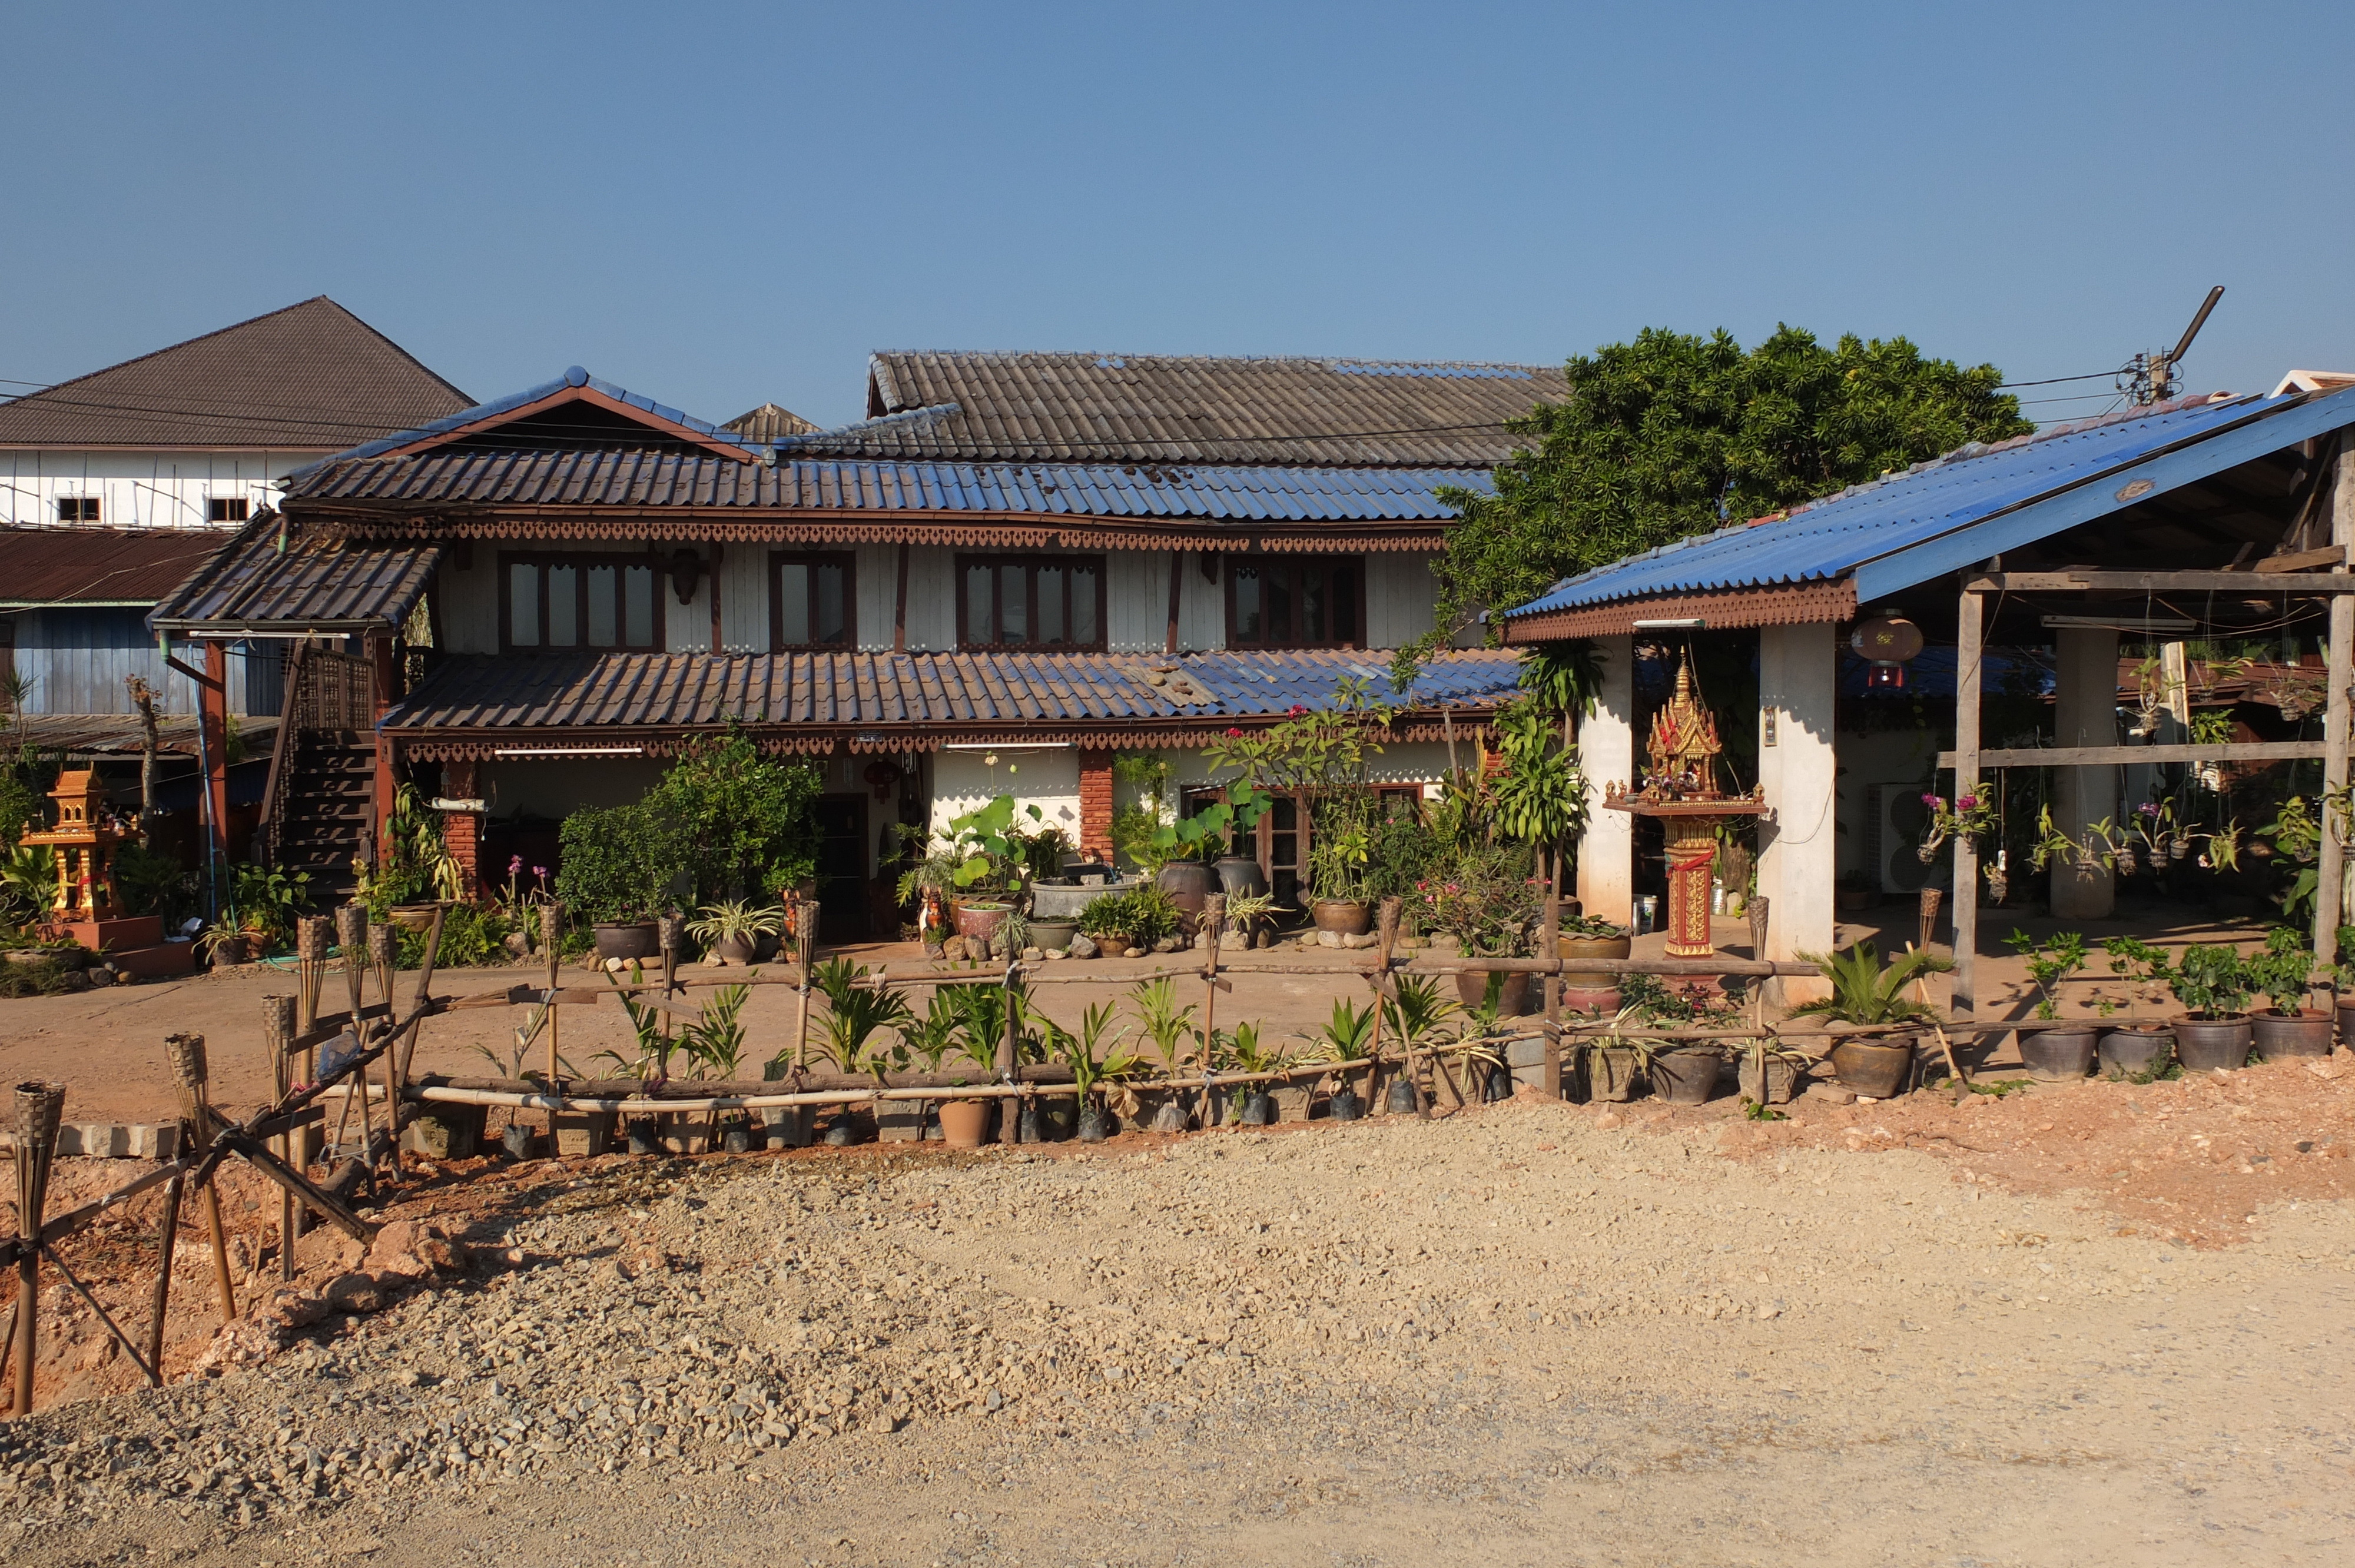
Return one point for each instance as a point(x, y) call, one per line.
point(292, 701)
point(322, 691)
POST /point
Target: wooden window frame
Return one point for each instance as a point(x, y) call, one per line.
point(227, 509)
point(581, 561)
point(848, 561)
point(1033, 561)
point(80, 509)
point(1294, 565)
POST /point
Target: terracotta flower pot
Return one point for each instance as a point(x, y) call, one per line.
point(1593, 948)
point(1877, 1067)
point(2281, 1035)
point(1512, 998)
point(1612, 1072)
point(980, 921)
point(735, 949)
point(2205, 1044)
point(1774, 1086)
point(964, 1124)
point(1600, 1001)
point(2059, 1054)
point(1348, 917)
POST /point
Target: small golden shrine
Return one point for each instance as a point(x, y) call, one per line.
point(83, 842)
point(1680, 786)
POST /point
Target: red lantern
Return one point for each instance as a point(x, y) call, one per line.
point(882, 775)
point(1888, 642)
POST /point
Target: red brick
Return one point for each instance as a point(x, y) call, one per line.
point(1095, 804)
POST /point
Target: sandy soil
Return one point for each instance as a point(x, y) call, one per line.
point(1528, 1333)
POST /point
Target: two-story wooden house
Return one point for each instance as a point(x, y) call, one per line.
point(1018, 565)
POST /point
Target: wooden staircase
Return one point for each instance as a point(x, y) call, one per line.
point(319, 806)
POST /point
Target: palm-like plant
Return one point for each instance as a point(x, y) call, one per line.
point(854, 1010)
point(1347, 1036)
point(1161, 1020)
point(1092, 1058)
point(931, 1038)
point(1867, 992)
point(1418, 1014)
point(716, 1040)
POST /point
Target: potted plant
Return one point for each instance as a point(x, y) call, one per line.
point(1161, 1020)
point(1319, 758)
point(1682, 1072)
point(1345, 1040)
point(1416, 1017)
point(224, 942)
point(2134, 1050)
point(618, 867)
point(1878, 1062)
point(2054, 1053)
point(2282, 973)
point(1484, 897)
point(1252, 917)
point(1094, 1061)
point(2213, 983)
point(731, 930)
point(991, 872)
point(1771, 1074)
point(1616, 1066)
point(1341, 844)
point(1590, 937)
point(857, 1009)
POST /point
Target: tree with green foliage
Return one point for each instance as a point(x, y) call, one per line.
point(1674, 434)
point(749, 821)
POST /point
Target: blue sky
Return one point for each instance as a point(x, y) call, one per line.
point(720, 205)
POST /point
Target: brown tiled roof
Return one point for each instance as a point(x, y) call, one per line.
point(1152, 408)
point(270, 577)
point(99, 566)
point(768, 422)
point(313, 375)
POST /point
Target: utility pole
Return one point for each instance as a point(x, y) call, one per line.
point(2149, 378)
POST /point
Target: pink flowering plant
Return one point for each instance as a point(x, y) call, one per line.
point(1970, 815)
point(1485, 898)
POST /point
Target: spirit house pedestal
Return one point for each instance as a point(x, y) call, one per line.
point(1680, 787)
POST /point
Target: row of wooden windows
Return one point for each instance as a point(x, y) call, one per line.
point(1051, 603)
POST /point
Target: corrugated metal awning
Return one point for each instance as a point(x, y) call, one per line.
point(269, 581)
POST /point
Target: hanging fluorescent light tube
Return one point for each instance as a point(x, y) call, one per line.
point(571, 751)
point(1686, 624)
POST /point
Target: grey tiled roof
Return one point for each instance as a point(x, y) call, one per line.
point(1159, 408)
point(264, 579)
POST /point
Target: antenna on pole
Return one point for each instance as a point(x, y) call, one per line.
point(2148, 379)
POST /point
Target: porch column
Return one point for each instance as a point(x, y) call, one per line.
point(2084, 713)
point(212, 708)
point(1607, 753)
point(1798, 859)
point(1095, 804)
point(461, 831)
point(383, 672)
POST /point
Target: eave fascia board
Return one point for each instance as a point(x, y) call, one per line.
point(2264, 430)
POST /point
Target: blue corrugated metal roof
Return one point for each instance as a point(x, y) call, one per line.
point(661, 691)
point(654, 479)
point(1975, 502)
point(574, 375)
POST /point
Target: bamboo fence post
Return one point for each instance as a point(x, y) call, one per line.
point(38, 1107)
point(1009, 1118)
point(1930, 898)
point(166, 1244)
point(805, 935)
point(551, 927)
point(186, 1052)
point(423, 998)
point(1214, 919)
point(1386, 925)
point(312, 934)
point(1550, 1078)
point(277, 1030)
point(384, 951)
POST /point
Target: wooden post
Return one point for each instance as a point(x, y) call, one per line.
point(38, 1107)
point(551, 932)
point(1386, 925)
point(186, 1052)
point(1214, 918)
point(1177, 584)
point(384, 955)
point(719, 628)
point(899, 606)
point(1009, 1110)
point(166, 1244)
point(212, 703)
point(2330, 888)
point(277, 1030)
point(804, 951)
point(1969, 658)
point(1550, 1080)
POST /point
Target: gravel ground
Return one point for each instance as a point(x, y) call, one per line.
point(1532, 1333)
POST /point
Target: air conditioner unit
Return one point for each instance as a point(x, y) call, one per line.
point(1894, 817)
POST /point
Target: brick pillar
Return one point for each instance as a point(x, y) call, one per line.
point(1095, 805)
point(461, 831)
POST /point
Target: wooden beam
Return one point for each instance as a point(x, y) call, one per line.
point(2305, 560)
point(719, 633)
point(1176, 582)
point(2099, 756)
point(1970, 647)
point(899, 606)
point(2330, 872)
point(2091, 581)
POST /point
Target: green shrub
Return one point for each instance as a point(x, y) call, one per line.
point(749, 822)
point(152, 883)
point(620, 862)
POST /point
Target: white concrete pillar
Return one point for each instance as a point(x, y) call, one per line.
point(2085, 713)
point(1798, 692)
point(1607, 753)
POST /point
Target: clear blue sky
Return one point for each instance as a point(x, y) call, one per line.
point(720, 205)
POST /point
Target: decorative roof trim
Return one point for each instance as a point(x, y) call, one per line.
point(868, 740)
point(1014, 530)
point(1789, 604)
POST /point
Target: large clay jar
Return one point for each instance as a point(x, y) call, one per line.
point(1685, 1077)
point(1238, 875)
point(1512, 997)
point(2205, 1044)
point(2128, 1052)
point(1572, 948)
point(633, 939)
point(2059, 1054)
point(2281, 1035)
point(1348, 917)
point(1876, 1066)
point(980, 921)
point(1190, 883)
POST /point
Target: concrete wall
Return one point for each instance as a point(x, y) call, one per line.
point(1606, 753)
point(1046, 778)
point(139, 490)
point(1798, 692)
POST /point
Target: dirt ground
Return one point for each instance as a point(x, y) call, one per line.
point(2058, 1324)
